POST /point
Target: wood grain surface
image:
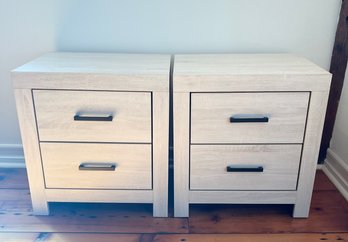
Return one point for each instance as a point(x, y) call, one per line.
point(211, 112)
point(131, 112)
point(96, 71)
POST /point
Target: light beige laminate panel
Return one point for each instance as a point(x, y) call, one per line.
point(247, 72)
point(95, 71)
point(211, 112)
point(26, 117)
point(61, 163)
point(209, 162)
point(99, 196)
point(131, 111)
point(181, 111)
point(160, 153)
point(244, 64)
point(243, 197)
point(316, 117)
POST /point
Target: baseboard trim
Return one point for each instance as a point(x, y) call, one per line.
point(337, 171)
point(11, 156)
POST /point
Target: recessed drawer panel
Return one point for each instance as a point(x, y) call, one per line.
point(93, 116)
point(244, 167)
point(97, 166)
point(248, 117)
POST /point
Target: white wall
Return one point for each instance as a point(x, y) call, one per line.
point(30, 28)
point(339, 140)
point(336, 163)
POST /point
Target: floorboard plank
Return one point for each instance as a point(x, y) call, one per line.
point(70, 237)
point(101, 218)
point(329, 213)
point(18, 237)
point(251, 237)
point(13, 178)
point(15, 200)
point(96, 237)
point(92, 237)
point(322, 182)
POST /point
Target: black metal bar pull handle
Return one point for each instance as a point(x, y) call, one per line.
point(244, 169)
point(97, 167)
point(249, 119)
point(79, 117)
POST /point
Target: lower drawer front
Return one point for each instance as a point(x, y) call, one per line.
point(97, 166)
point(244, 167)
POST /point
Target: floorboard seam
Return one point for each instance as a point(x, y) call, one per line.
point(42, 237)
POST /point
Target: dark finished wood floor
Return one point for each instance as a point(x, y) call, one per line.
point(328, 219)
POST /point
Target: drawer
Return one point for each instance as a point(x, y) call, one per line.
point(97, 166)
point(93, 116)
point(256, 117)
point(244, 167)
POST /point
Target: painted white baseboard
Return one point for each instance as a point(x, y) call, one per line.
point(336, 170)
point(11, 156)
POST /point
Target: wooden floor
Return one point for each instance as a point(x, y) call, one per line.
point(328, 219)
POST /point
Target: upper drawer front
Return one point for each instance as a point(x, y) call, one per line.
point(97, 166)
point(251, 167)
point(211, 113)
point(130, 111)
